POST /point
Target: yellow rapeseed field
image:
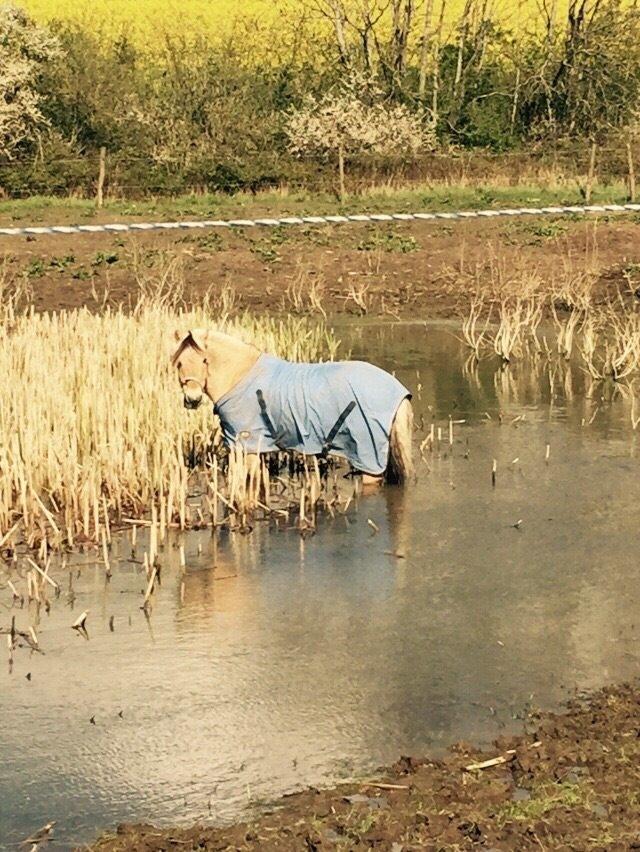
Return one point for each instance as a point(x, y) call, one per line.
point(147, 21)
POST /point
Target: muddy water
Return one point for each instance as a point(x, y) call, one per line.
point(285, 663)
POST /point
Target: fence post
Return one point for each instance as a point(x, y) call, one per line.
point(101, 176)
point(632, 173)
point(592, 171)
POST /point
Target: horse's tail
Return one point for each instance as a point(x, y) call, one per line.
point(400, 468)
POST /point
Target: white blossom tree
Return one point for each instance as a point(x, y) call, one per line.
point(355, 119)
point(24, 48)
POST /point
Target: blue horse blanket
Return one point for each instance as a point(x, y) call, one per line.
point(285, 405)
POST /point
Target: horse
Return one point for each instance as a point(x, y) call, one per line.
point(351, 409)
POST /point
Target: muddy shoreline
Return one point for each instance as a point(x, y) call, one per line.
point(570, 781)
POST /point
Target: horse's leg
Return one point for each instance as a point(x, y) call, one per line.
point(400, 468)
point(254, 473)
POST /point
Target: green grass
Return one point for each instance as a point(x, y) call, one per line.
point(544, 799)
point(38, 209)
point(386, 240)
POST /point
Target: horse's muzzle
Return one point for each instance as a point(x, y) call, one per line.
point(192, 404)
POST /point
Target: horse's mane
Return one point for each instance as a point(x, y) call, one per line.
point(189, 342)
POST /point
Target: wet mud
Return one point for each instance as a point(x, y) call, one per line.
point(572, 781)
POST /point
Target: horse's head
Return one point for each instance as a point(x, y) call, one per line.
point(190, 359)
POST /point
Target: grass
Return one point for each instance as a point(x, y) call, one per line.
point(386, 240)
point(420, 198)
point(545, 799)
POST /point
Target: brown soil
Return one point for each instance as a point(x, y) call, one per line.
point(571, 783)
point(410, 269)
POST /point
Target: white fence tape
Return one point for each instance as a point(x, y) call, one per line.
point(123, 227)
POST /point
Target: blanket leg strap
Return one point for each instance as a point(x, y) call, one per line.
point(275, 436)
point(337, 426)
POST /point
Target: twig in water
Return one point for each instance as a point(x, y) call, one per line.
point(150, 587)
point(43, 574)
point(79, 623)
point(5, 538)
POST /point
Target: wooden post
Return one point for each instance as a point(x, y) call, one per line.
point(592, 171)
point(341, 172)
point(101, 177)
point(631, 172)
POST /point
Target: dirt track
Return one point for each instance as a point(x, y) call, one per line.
point(413, 269)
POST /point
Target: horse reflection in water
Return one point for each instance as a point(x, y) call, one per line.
point(239, 574)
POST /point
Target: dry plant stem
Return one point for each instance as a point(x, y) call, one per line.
point(474, 336)
point(92, 427)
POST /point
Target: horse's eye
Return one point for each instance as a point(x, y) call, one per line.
point(179, 365)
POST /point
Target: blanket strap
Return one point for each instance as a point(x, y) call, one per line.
point(276, 437)
point(328, 444)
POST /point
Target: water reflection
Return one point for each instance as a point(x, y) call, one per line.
point(271, 662)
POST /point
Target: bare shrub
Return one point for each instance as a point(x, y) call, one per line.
point(355, 119)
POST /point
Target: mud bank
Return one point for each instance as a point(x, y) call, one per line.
point(571, 781)
point(412, 270)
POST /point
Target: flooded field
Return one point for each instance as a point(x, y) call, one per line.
point(417, 618)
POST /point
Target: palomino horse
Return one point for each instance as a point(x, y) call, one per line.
point(346, 408)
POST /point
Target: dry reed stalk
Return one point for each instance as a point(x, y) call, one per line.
point(96, 455)
point(153, 536)
point(635, 420)
point(163, 520)
point(566, 330)
point(360, 296)
point(305, 293)
point(610, 343)
point(79, 623)
point(105, 515)
point(150, 588)
point(5, 538)
point(473, 336)
point(519, 319)
point(43, 574)
point(105, 554)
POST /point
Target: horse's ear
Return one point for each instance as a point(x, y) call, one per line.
point(176, 344)
point(199, 337)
